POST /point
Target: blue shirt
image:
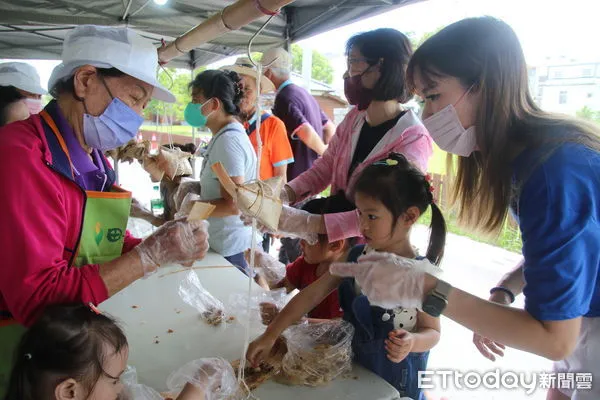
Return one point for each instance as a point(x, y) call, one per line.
point(558, 209)
point(231, 147)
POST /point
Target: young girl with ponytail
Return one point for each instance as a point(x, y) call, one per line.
point(390, 196)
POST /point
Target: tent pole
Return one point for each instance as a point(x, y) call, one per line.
point(238, 14)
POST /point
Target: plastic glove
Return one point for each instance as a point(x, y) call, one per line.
point(176, 241)
point(287, 195)
point(388, 280)
point(186, 186)
point(267, 266)
point(294, 223)
point(486, 346)
point(186, 205)
point(214, 376)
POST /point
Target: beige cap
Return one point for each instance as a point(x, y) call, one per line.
point(277, 58)
point(243, 66)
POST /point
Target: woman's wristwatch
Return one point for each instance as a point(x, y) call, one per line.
point(436, 301)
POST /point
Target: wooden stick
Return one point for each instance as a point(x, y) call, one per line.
point(235, 16)
point(225, 180)
point(196, 268)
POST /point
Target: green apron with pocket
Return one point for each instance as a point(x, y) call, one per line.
point(104, 224)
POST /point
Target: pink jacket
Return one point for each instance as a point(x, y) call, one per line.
point(41, 214)
point(408, 137)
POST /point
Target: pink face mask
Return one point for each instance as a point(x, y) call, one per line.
point(448, 133)
point(34, 105)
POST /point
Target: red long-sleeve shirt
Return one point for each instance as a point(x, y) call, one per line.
point(41, 216)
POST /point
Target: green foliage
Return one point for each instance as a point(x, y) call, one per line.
point(589, 114)
point(322, 70)
point(418, 41)
point(177, 81)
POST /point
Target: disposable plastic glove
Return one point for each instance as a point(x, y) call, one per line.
point(388, 280)
point(294, 223)
point(214, 376)
point(266, 265)
point(186, 205)
point(186, 186)
point(176, 241)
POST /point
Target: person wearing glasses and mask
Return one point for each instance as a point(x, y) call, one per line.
point(63, 219)
point(377, 125)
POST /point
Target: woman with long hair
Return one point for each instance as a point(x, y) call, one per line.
point(512, 157)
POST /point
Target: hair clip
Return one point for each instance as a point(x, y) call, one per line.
point(94, 309)
point(431, 188)
point(428, 178)
point(389, 161)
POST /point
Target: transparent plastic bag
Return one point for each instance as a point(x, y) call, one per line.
point(260, 303)
point(210, 308)
point(215, 376)
point(317, 353)
point(186, 186)
point(267, 266)
point(186, 205)
point(132, 390)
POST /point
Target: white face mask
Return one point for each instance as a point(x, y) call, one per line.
point(448, 133)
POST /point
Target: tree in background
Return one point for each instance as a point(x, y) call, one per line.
point(589, 114)
point(177, 81)
point(418, 41)
point(322, 70)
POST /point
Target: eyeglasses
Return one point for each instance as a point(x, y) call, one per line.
point(357, 60)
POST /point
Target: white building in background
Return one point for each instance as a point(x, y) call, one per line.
point(566, 87)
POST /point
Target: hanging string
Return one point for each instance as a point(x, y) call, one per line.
point(258, 65)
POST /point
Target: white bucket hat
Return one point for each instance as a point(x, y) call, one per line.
point(276, 58)
point(22, 76)
point(243, 66)
point(109, 47)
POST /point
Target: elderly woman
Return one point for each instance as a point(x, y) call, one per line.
point(20, 92)
point(63, 220)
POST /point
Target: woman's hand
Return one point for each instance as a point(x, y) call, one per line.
point(488, 347)
point(389, 280)
point(260, 349)
point(295, 223)
point(399, 344)
point(176, 241)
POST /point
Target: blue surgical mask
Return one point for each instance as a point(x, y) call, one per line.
point(193, 114)
point(117, 125)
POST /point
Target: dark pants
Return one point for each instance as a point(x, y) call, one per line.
point(267, 242)
point(239, 261)
point(290, 250)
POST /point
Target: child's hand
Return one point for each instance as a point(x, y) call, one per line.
point(260, 349)
point(268, 312)
point(399, 344)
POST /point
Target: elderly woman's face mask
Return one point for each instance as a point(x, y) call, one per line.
point(117, 124)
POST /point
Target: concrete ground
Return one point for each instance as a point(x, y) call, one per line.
point(472, 266)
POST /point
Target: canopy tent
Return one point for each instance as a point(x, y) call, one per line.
point(35, 29)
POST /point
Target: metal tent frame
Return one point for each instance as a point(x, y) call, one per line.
point(35, 29)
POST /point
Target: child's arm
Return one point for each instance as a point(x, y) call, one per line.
point(306, 300)
point(191, 392)
point(401, 343)
point(427, 334)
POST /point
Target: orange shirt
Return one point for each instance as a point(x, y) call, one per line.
point(276, 149)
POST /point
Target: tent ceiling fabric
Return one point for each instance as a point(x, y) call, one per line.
point(34, 29)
